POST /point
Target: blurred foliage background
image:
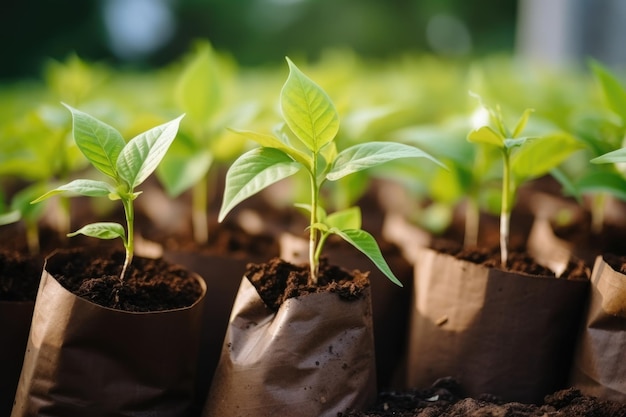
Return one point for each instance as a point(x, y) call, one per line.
point(151, 33)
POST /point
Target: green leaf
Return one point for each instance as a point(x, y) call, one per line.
point(89, 188)
point(521, 124)
point(104, 230)
point(100, 143)
point(603, 181)
point(321, 213)
point(370, 154)
point(10, 217)
point(487, 136)
point(366, 243)
point(349, 218)
point(616, 156)
point(182, 167)
point(141, 156)
point(198, 89)
point(308, 110)
point(538, 156)
point(254, 171)
point(613, 90)
point(270, 141)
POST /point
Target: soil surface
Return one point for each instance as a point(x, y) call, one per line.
point(277, 281)
point(518, 260)
point(19, 276)
point(149, 284)
point(445, 399)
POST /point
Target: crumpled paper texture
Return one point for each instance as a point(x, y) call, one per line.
point(86, 360)
point(313, 357)
point(496, 332)
point(600, 362)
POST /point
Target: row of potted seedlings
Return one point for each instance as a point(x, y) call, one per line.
point(307, 337)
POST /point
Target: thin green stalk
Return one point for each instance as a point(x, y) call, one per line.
point(598, 204)
point(199, 204)
point(505, 213)
point(129, 243)
point(32, 237)
point(313, 233)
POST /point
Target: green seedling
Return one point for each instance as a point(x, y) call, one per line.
point(523, 158)
point(126, 164)
point(602, 134)
point(306, 142)
point(204, 141)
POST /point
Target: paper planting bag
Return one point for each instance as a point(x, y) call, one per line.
point(86, 360)
point(600, 362)
point(313, 357)
point(497, 332)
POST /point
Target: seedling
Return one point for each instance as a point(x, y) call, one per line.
point(602, 135)
point(126, 164)
point(523, 158)
point(306, 141)
point(204, 140)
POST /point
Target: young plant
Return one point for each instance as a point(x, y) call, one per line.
point(602, 134)
point(306, 142)
point(523, 158)
point(126, 164)
point(204, 140)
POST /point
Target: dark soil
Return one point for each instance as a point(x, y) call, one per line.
point(149, 284)
point(277, 281)
point(617, 262)
point(19, 276)
point(518, 260)
point(445, 399)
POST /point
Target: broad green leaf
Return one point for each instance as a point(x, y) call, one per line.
point(103, 230)
point(100, 143)
point(308, 110)
point(603, 181)
point(349, 218)
point(370, 154)
point(198, 89)
point(366, 243)
point(613, 90)
point(252, 172)
point(141, 156)
point(269, 141)
point(10, 217)
point(616, 156)
point(321, 213)
point(521, 124)
point(487, 136)
point(89, 188)
point(569, 188)
point(182, 167)
point(538, 156)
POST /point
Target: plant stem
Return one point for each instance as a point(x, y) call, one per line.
point(505, 212)
point(32, 236)
point(199, 195)
point(598, 203)
point(472, 219)
point(313, 232)
point(129, 243)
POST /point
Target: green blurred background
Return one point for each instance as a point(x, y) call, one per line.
point(148, 33)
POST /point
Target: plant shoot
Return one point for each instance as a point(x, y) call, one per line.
point(306, 141)
point(127, 165)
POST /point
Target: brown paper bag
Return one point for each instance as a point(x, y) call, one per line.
point(221, 276)
point(86, 360)
point(600, 362)
point(314, 357)
point(15, 318)
point(496, 332)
